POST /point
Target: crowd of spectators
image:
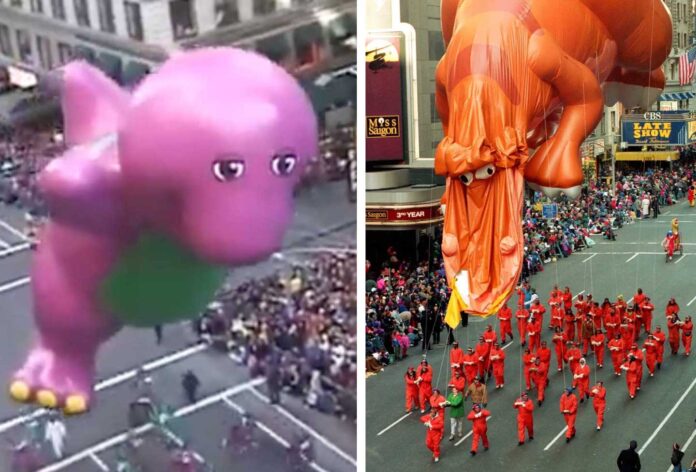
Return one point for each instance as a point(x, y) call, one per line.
point(297, 329)
point(405, 300)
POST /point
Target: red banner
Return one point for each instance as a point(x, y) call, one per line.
point(384, 120)
point(403, 215)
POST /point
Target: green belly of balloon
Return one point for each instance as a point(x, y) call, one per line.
point(158, 281)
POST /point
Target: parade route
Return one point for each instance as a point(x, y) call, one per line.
point(661, 414)
point(94, 439)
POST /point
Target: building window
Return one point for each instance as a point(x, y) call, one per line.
point(58, 8)
point(36, 6)
point(672, 67)
point(436, 45)
point(226, 12)
point(309, 44)
point(82, 12)
point(43, 46)
point(5, 42)
point(341, 31)
point(434, 117)
point(106, 16)
point(183, 19)
point(613, 122)
point(134, 21)
point(65, 53)
point(24, 46)
point(264, 7)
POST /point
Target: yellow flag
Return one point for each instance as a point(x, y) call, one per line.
point(454, 309)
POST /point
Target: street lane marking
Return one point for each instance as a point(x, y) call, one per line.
point(279, 439)
point(633, 257)
point(122, 437)
point(548, 446)
point(393, 424)
point(100, 463)
point(11, 250)
point(590, 257)
point(4, 244)
point(580, 292)
point(666, 418)
point(14, 284)
point(13, 230)
point(304, 426)
point(680, 259)
point(692, 300)
point(684, 447)
point(115, 380)
point(469, 434)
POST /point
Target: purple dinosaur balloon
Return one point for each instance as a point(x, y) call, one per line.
point(207, 151)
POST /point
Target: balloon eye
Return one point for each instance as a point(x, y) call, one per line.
point(485, 172)
point(228, 170)
point(282, 165)
point(467, 178)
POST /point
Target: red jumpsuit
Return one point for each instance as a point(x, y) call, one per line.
point(630, 318)
point(456, 359)
point(582, 307)
point(579, 320)
point(631, 368)
point(540, 375)
point(616, 350)
point(647, 309)
point(490, 337)
point(687, 331)
point(527, 360)
point(569, 320)
point(569, 408)
point(498, 362)
point(557, 313)
point(599, 402)
point(650, 346)
point(620, 307)
point(459, 383)
point(660, 339)
point(538, 312)
point(673, 330)
point(433, 438)
point(425, 387)
point(597, 342)
point(671, 309)
point(544, 354)
point(411, 393)
point(597, 316)
point(581, 380)
point(436, 401)
point(482, 357)
point(638, 299)
point(505, 317)
point(525, 418)
point(690, 196)
point(627, 332)
point(470, 366)
point(611, 323)
point(638, 354)
point(522, 316)
point(534, 330)
point(559, 341)
point(573, 356)
point(567, 300)
point(480, 428)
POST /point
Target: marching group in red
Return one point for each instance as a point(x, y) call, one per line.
point(592, 327)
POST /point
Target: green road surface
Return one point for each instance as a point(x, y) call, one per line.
point(653, 418)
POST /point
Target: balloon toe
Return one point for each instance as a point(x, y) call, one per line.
point(46, 399)
point(20, 391)
point(75, 404)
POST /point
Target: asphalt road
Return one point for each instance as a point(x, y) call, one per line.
point(662, 413)
point(324, 218)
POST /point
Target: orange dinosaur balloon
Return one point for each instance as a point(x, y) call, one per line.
point(521, 85)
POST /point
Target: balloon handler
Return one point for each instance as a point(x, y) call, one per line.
point(160, 190)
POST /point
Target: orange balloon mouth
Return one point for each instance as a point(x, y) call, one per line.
point(483, 238)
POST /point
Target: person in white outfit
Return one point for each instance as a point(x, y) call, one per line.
point(55, 434)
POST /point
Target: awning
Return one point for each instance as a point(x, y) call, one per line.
point(675, 96)
point(648, 156)
point(133, 73)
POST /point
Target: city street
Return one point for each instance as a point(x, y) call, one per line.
point(663, 412)
point(324, 218)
